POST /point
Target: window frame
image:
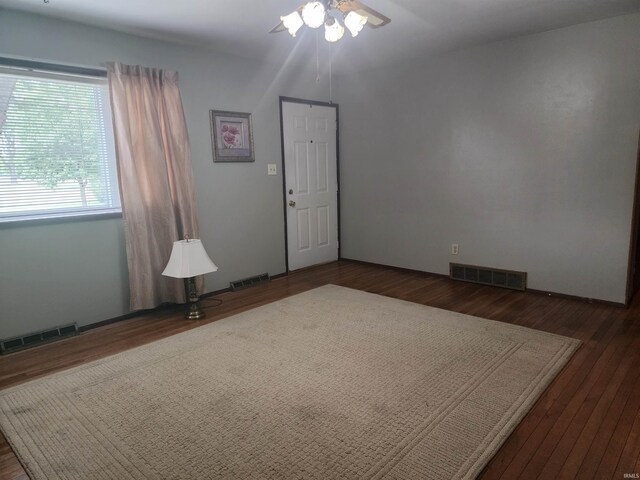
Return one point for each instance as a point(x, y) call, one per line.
point(44, 70)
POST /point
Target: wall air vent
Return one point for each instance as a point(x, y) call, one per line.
point(488, 276)
point(37, 338)
point(248, 282)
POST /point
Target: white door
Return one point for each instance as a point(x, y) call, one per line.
point(311, 183)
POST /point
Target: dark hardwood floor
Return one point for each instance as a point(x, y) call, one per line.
point(586, 425)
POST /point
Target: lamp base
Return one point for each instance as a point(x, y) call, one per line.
point(194, 312)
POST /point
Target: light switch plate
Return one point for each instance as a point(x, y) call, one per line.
point(272, 169)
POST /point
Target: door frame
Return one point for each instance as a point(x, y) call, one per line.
point(284, 173)
point(634, 252)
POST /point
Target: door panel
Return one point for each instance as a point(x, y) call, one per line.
point(302, 168)
point(311, 183)
point(323, 226)
point(322, 176)
point(304, 229)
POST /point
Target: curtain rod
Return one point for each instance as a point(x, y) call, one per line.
point(52, 67)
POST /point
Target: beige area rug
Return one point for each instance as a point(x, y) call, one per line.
point(333, 383)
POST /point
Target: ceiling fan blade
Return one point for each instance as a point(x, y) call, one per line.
point(374, 18)
point(278, 28)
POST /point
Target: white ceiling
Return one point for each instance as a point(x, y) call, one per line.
point(417, 28)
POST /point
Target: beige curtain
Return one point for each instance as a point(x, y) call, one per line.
point(156, 179)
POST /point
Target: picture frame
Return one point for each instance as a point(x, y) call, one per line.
point(231, 136)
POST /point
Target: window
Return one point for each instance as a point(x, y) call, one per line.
point(56, 146)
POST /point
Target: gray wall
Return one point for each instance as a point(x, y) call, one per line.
point(523, 152)
point(76, 272)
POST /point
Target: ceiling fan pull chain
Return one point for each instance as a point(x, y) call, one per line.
point(317, 59)
point(330, 73)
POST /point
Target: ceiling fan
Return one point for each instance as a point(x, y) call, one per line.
point(335, 15)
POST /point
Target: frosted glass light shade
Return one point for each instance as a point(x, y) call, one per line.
point(333, 31)
point(354, 22)
point(313, 14)
point(292, 22)
point(188, 259)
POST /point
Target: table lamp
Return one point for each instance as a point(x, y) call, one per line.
point(188, 260)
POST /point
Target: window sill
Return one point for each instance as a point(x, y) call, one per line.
point(57, 219)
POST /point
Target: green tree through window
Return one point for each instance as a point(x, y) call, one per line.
point(54, 153)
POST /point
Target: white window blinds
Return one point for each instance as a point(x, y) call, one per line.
point(56, 146)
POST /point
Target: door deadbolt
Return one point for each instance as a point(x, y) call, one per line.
point(291, 191)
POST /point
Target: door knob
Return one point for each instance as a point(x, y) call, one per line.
point(292, 203)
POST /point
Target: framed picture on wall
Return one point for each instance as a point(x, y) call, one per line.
point(231, 136)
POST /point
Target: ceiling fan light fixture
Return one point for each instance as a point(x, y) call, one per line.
point(313, 14)
point(355, 22)
point(336, 16)
point(292, 22)
point(333, 30)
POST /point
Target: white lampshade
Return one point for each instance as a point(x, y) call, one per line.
point(188, 259)
point(313, 14)
point(354, 22)
point(333, 31)
point(292, 22)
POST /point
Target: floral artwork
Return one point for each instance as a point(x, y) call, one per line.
point(232, 137)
